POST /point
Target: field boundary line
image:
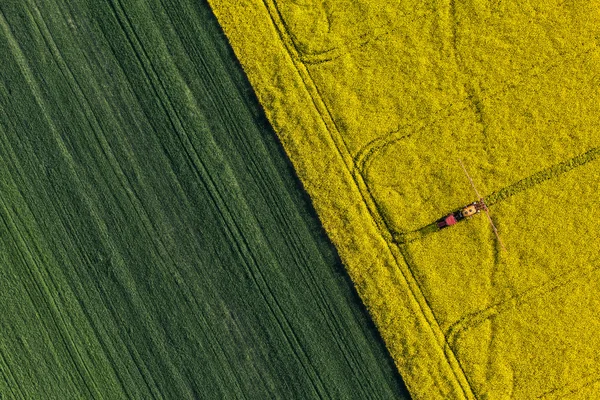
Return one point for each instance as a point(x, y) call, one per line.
point(366, 196)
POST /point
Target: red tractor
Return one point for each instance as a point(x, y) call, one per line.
point(468, 211)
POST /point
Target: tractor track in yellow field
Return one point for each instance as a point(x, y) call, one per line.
point(508, 191)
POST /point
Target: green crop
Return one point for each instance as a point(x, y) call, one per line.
point(154, 242)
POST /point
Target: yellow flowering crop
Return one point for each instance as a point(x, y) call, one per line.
point(375, 102)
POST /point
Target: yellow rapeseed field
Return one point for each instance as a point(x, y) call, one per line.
point(375, 102)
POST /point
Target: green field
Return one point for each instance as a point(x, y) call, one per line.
point(154, 240)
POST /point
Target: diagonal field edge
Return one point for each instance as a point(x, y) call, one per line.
point(453, 374)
